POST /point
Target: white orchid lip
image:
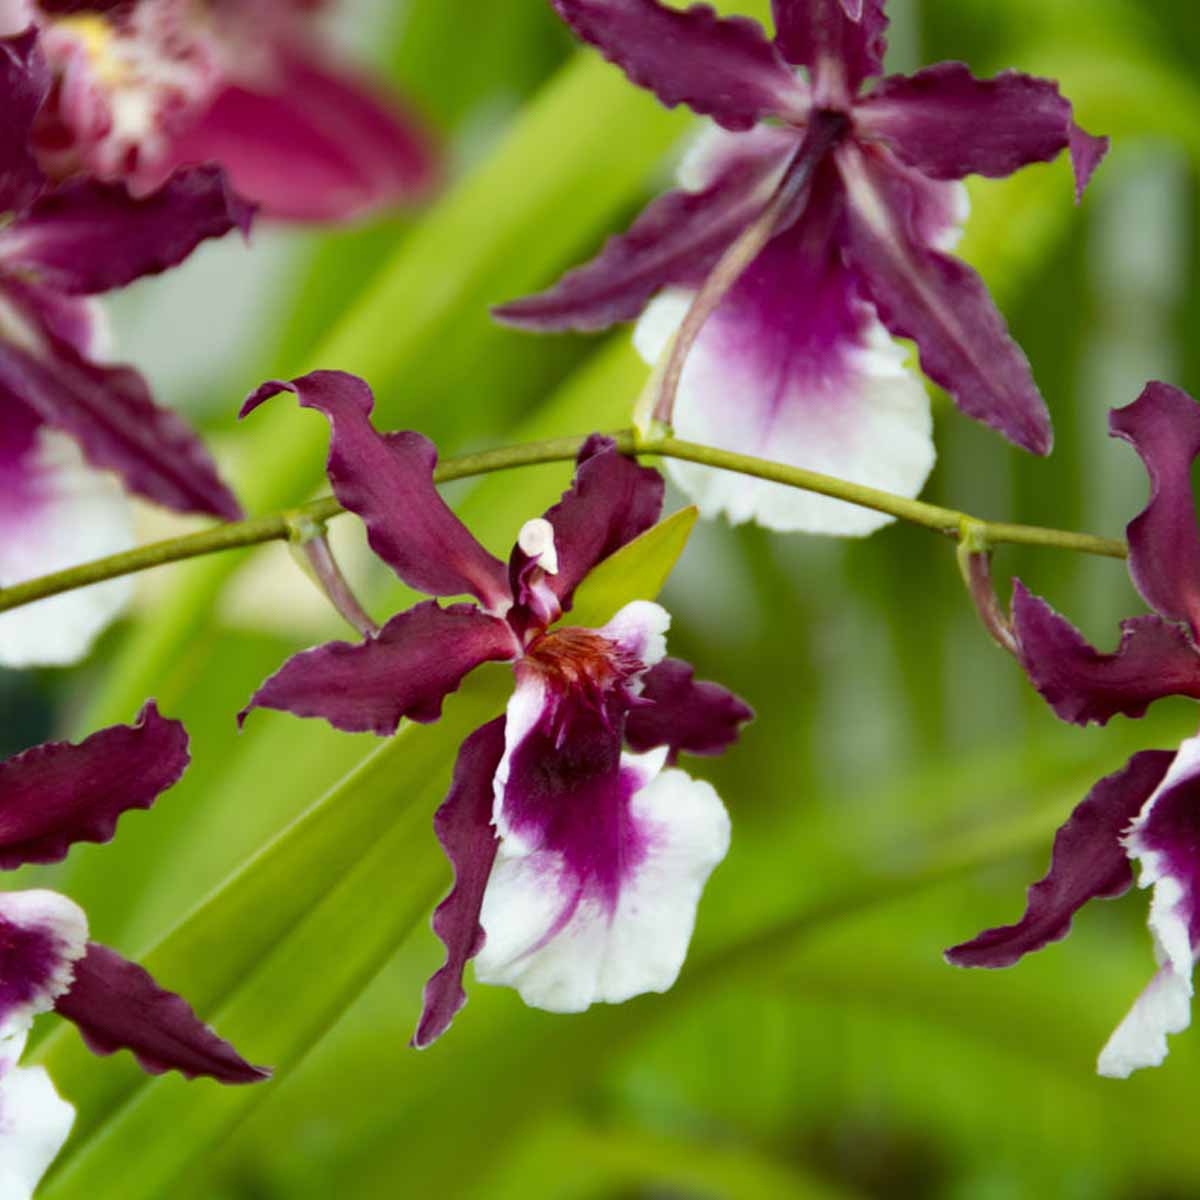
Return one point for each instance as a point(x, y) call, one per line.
point(34, 1122)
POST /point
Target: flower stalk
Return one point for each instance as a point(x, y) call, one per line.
point(260, 530)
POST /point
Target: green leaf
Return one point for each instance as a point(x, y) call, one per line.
point(637, 571)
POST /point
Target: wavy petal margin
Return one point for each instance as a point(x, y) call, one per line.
point(387, 479)
point(116, 1005)
point(58, 794)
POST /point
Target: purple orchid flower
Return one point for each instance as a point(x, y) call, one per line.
point(578, 859)
point(74, 429)
point(144, 87)
point(797, 362)
point(52, 797)
point(1149, 811)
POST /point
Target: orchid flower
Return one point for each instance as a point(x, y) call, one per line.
point(52, 797)
point(146, 86)
point(1149, 811)
point(859, 193)
point(75, 432)
point(579, 853)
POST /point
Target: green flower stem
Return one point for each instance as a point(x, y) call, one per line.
point(259, 530)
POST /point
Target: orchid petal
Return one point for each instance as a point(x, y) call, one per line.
point(947, 124)
point(1163, 1007)
point(1164, 838)
point(405, 670)
point(107, 410)
point(42, 937)
point(1088, 861)
point(88, 237)
point(794, 366)
point(58, 794)
point(24, 82)
point(1154, 659)
point(56, 512)
point(1163, 426)
point(939, 302)
point(839, 49)
point(720, 67)
point(117, 1006)
point(463, 825)
point(34, 1122)
point(677, 239)
point(610, 502)
point(683, 715)
point(387, 479)
point(313, 144)
point(568, 929)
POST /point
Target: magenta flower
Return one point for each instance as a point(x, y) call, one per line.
point(52, 797)
point(1149, 811)
point(579, 856)
point(797, 363)
point(146, 86)
point(73, 428)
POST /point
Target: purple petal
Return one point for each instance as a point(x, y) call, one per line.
point(947, 124)
point(609, 503)
point(720, 67)
point(795, 366)
point(840, 50)
point(58, 794)
point(42, 937)
point(1163, 839)
point(1088, 861)
point(317, 146)
point(678, 238)
point(118, 1006)
point(387, 479)
point(24, 82)
point(406, 670)
point(1154, 659)
point(109, 412)
point(686, 716)
point(463, 825)
point(1087, 151)
point(1163, 426)
point(88, 237)
point(939, 302)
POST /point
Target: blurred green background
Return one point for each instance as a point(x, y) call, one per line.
point(896, 794)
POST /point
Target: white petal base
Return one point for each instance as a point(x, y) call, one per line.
point(600, 956)
point(81, 514)
point(873, 426)
point(34, 1123)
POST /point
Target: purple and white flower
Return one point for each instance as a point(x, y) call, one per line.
point(75, 431)
point(52, 797)
point(144, 87)
point(579, 853)
point(797, 362)
point(1148, 812)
